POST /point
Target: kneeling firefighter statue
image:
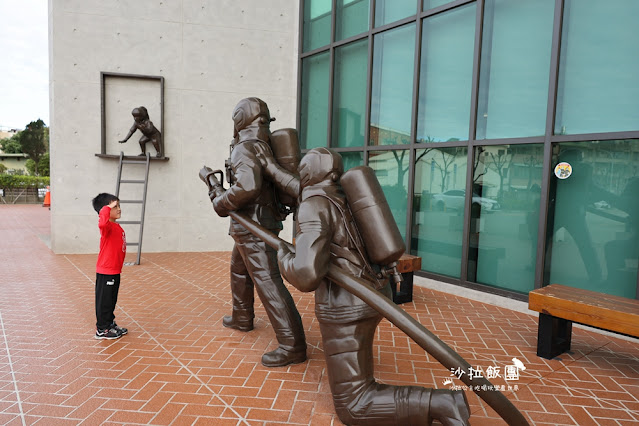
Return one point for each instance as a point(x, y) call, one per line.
point(344, 232)
point(327, 234)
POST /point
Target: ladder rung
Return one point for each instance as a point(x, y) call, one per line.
point(143, 160)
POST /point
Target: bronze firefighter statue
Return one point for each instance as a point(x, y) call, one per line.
point(347, 245)
point(253, 263)
point(327, 233)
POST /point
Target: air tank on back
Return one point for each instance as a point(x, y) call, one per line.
point(372, 214)
point(286, 150)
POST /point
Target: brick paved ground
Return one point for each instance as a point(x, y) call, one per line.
point(179, 366)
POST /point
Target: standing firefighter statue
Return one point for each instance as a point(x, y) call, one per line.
point(253, 263)
point(150, 133)
point(328, 232)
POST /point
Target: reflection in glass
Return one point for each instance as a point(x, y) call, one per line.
point(317, 24)
point(593, 240)
point(314, 102)
point(513, 86)
point(438, 209)
point(349, 95)
point(351, 18)
point(431, 4)
point(598, 87)
point(446, 73)
point(387, 11)
point(391, 169)
point(352, 159)
point(505, 216)
point(392, 92)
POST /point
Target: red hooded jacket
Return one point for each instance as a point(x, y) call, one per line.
point(112, 245)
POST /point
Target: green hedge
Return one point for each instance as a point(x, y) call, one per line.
point(15, 181)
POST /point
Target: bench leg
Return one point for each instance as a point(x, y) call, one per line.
point(553, 336)
point(405, 293)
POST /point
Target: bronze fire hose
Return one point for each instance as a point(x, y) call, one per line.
point(393, 313)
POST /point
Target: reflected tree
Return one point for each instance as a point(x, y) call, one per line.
point(499, 163)
point(442, 162)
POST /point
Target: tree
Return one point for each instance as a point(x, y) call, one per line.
point(3, 169)
point(31, 166)
point(43, 165)
point(33, 140)
point(11, 145)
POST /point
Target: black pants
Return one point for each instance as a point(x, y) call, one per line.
point(106, 296)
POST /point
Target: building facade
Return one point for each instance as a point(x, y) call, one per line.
point(505, 133)
point(188, 62)
point(15, 163)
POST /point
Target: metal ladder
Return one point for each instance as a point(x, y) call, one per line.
point(146, 161)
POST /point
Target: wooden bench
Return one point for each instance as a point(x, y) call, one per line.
point(559, 306)
point(406, 265)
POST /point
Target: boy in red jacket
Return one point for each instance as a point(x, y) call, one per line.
point(109, 266)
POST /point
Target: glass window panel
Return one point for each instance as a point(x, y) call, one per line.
point(431, 4)
point(349, 94)
point(438, 209)
point(352, 18)
point(314, 101)
point(392, 92)
point(598, 87)
point(515, 60)
point(352, 159)
point(387, 11)
point(391, 169)
point(317, 24)
point(446, 72)
point(505, 216)
point(594, 243)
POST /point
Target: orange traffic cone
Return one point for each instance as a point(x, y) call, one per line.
point(47, 198)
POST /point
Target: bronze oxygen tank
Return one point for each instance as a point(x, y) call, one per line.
point(286, 150)
point(372, 214)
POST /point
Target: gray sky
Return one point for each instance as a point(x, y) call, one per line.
point(24, 68)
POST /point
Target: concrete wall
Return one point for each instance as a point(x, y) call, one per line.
point(211, 54)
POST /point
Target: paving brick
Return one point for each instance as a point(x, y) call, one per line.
point(130, 417)
point(258, 414)
point(86, 408)
point(167, 414)
point(203, 410)
point(580, 416)
point(179, 366)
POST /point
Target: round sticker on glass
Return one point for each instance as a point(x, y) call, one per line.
point(563, 170)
